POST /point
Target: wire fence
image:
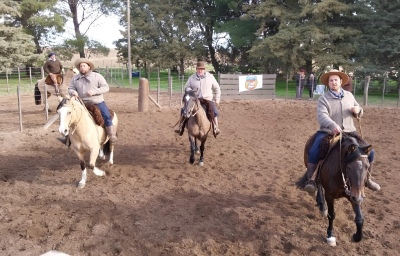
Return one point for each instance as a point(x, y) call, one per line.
point(19, 86)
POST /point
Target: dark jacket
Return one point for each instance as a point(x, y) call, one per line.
point(349, 86)
point(300, 81)
point(311, 83)
point(53, 67)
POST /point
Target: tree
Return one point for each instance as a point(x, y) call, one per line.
point(40, 20)
point(88, 12)
point(312, 34)
point(16, 47)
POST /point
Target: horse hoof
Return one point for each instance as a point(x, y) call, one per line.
point(81, 185)
point(324, 213)
point(197, 152)
point(201, 163)
point(357, 238)
point(331, 241)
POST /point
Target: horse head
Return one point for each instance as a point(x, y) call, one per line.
point(355, 163)
point(67, 113)
point(190, 103)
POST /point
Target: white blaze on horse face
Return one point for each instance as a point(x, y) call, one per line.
point(360, 164)
point(63, 128)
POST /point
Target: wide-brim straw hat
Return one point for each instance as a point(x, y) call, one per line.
point(83, 60)
point(325, 77)
point(201, 64)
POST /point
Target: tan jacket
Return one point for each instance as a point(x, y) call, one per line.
point(332, 111)
point(92, 81)
point(206, 87)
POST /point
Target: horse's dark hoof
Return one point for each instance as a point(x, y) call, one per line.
point(191, 161)
point(357, 238)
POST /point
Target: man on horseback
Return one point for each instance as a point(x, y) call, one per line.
point(335, 112)
point(206, 87)
point(90, 87)
point(53, 67)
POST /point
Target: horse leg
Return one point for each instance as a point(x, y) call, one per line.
point(331, 240)
point(196, 148)
point(359, 220)
point(101, 154)
point(94, 153)
point(201, 160)
point(321, 201)
point(192, 149)
point(82, 182)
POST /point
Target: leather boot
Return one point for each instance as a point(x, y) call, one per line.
point(371, 184)
point(310, 185)
point(65, 141)
point(111, 132)
point(216, 130)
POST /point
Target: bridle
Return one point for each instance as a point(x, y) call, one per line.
point(356, 153)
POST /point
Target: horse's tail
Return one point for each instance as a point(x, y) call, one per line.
point(302, 181)
point(38, 95)
point(107, 148)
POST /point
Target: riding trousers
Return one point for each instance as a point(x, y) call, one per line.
point(313, 153)
point(214, 108)
point(105, 113)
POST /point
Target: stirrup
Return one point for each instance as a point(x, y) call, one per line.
point(310, 187)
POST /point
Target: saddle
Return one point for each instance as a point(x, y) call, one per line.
point(208, 108)
point(49, 81)
point(95, 112)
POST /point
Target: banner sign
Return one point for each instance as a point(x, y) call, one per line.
point(250, 82)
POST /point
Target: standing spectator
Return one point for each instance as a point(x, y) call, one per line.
point(53, 67)
point(349, 85)
point(311, 83)
point(300, 83)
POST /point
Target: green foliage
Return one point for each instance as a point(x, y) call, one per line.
point(16, 47)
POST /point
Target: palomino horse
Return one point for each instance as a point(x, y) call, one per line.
point(63, 87)
point(197, 124)
point(342, 173)
point(85, 135)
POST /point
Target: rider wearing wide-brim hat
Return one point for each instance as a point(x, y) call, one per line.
point(336, 110)
point(90, 87)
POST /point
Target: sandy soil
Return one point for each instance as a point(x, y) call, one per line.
point(153, 202)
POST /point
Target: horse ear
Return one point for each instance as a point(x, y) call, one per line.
point(368, 149)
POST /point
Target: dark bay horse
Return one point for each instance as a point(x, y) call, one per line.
point(197, 124)
point(63, 87)
point(342, 173)
point(85, 135)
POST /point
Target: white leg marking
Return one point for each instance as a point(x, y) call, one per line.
point(101, 155)
point(82, 183)
point(99, 172)
point(111, 159)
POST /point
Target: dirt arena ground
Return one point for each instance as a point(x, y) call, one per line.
point(153, 202)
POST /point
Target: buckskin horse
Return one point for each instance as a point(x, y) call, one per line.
point(85, 135)
point(197, 124)
point(51, 90)
point(342, 173)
